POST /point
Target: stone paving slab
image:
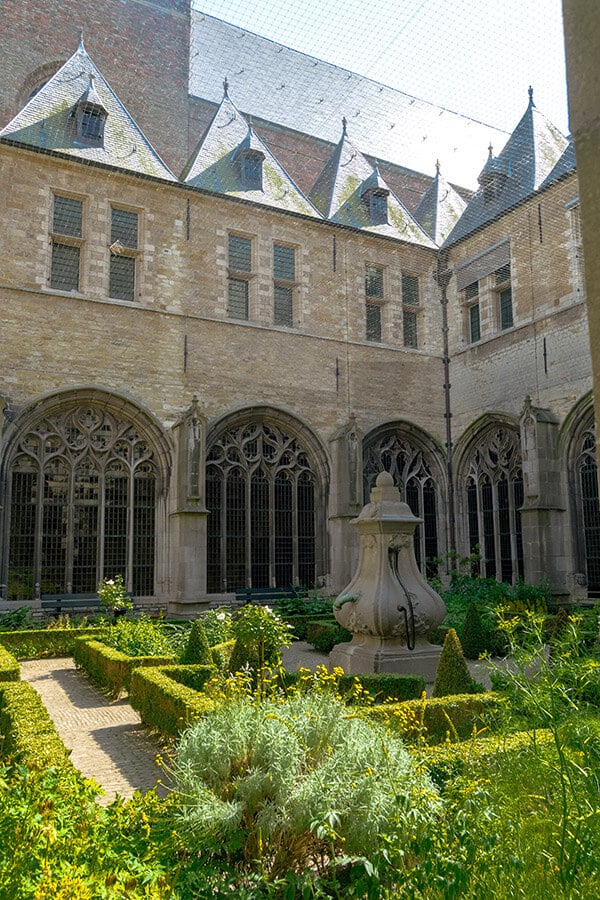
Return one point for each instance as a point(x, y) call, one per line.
point(107, 740)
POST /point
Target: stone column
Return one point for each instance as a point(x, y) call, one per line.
point(388, 605)
point(345, 501)
point(189, 519)
point(543, 516)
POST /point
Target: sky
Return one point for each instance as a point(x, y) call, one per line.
point(476, 57)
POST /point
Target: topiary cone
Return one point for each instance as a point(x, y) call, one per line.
point(453, 676)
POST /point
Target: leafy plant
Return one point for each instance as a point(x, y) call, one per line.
point(474, 639)
point(139, 637)
point(113, 594)
point(197, 650)
point(452, 676)
point(280, 786)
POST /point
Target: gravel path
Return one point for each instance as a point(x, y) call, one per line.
point(107, 740)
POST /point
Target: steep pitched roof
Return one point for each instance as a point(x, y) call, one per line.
point(530, 155)
point(339, 190)
point(310, 96)
point(215, 167)
point(48, 121)
point(440, 208)
point(565, 164)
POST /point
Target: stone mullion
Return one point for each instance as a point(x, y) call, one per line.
point(272, 571)
point(496, 519)
point(70, 528)
point(39, 519)
point(480, 528)
point(222, 531)
point(295, 535)
point(129, 526)
point(248, 517)
point(101, 523)
point(514, 551)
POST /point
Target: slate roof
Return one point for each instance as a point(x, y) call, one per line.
point(564, 166)
point(213, 165)
point(440, 208)
point(47, 121)
point(528, 158)
point(338, 191)
point(310, 96)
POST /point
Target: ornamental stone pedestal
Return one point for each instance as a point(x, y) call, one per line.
point(388, 605)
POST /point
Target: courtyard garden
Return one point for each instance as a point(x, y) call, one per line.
point(314, 784)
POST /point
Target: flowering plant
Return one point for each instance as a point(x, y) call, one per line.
point(113, 594)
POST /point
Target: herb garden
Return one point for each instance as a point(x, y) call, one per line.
point(315, 784)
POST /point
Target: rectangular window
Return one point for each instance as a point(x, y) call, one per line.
point(373, 293)
point(123, 253)
point(577, 244)
point(284, 274)
point(410, 298)
point(240, 269)
point(474, 323)
point(409, 328)
point(502, 277)
point(66, 240)
point(373, 322)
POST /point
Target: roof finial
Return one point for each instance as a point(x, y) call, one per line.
point(530, 92)
point(344, 123)
point(81, 45)
point(437, 167)
point(225, 86)
point(490, 150)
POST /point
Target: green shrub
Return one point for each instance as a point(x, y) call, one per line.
point(197, 650)
point(221, 656)
point(282, 786)
point(139, 637)
point(110, 668)
point(29, 733)
point(473, 638)
point(45, 642)
point(432, 720)
point(14, 619)
point(218, 625)
point(317, 607)
point(324, 635)
point(168, 698)
point(9, 667)
point(452, 676)
point(380, 688)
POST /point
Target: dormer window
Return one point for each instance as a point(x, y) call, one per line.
point(90, 117)
point(377, 202)
point(251, 170)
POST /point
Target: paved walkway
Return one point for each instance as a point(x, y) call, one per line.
point(107, 740)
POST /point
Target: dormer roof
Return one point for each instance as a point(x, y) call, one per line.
point(341, 189)
point(214, 165)
point(440, 208)
point(529, 156)
point(49, 121)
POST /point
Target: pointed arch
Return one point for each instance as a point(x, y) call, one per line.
point(490, 496)
point(266, 484)
point(578, 442)
point(84, 474)
point(416, 462)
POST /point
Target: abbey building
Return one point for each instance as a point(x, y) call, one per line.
point(237, 284)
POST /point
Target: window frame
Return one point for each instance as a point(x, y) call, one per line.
point(502, 287)
point(410, 310)
point(374, 302)
point(471, 301)
point(284, 289)
point(117, 250)
point(60, 239)
point(237, 277)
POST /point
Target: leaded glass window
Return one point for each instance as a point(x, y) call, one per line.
point(82, 505)
point(66, 243)
point(262, 501)
point(494, 497)
point(412, 470)
point(588, 508)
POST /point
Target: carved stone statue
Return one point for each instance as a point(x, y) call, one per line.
point(388, 605)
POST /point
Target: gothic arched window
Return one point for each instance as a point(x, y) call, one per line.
point(82, 488)
point(262, 496)
point(494, 496)
point(412, 470)
point(587, 503)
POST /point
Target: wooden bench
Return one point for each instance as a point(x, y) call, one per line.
point(268, 595)
point(57, 604)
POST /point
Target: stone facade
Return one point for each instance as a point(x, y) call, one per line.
point(199, 390)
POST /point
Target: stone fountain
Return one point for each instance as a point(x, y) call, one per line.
point(388, 606)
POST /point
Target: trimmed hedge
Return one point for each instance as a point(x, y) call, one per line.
point(448, 761)
point(382, 687)
point(300, 622)
point(427, 720)
point(110, 668)
point(324, 634)
point(9, 667)
point(165, 699)
point(34, 643)
point(221, 655)
point(28, 731)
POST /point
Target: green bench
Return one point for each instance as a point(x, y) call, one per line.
point(268, 594)
point(56, 604)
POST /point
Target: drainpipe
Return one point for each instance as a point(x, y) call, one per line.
point(442, 276)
